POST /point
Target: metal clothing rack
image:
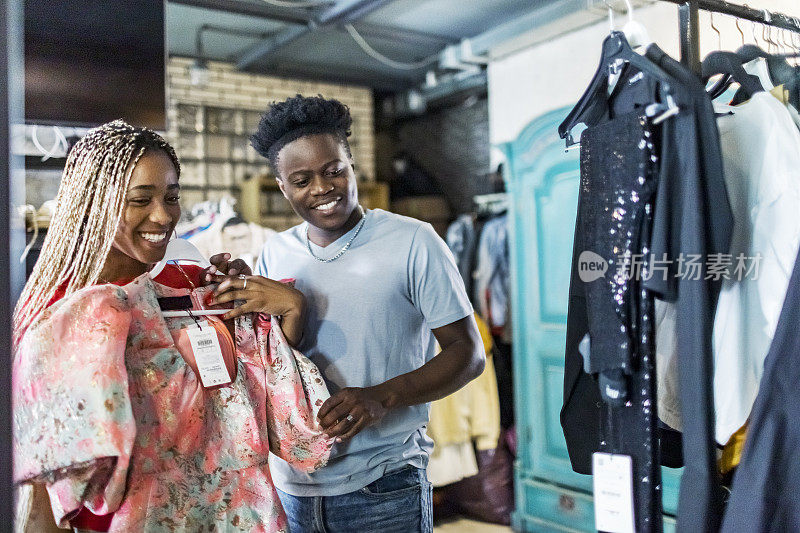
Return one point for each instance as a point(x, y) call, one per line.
point(491, 204)
point(688, 11)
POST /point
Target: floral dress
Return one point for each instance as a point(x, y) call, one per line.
point(108, 416)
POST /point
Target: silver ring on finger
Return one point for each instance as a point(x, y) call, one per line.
point(350, 418)
point(243, 278)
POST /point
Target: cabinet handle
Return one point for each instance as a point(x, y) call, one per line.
point(566, 502)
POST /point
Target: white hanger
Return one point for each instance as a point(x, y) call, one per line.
point(634, 31)
point(181, 250)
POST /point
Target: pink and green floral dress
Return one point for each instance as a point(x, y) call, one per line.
point(108, 416)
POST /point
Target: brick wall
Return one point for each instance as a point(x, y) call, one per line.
point(228, 88)
point(452, 145)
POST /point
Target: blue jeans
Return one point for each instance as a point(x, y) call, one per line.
point(400, 501)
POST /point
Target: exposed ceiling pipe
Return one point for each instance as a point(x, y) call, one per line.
point(198, 72)
point(343, 12)
point(402, 35)
point(200, 49)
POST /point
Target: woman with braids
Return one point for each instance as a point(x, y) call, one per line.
point(111, 422)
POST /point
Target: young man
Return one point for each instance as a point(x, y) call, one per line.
point(380, 289)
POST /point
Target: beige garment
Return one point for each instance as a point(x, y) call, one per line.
point(668, 392)
point(468, 417)
point(471, 414)
point(452, 463)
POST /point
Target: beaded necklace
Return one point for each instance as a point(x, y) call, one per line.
point(344, 248)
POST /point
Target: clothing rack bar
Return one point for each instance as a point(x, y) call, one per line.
point(481, 199)
point(763, 16)
point(689, 16)
point(689, 23)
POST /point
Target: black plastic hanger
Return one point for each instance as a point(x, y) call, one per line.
point(779, 68)
point(719, 88)
point(780, 71)
point(616, 52)
point(729, 64)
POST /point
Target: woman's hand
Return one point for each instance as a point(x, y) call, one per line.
point(262, 295)
point(221, 264)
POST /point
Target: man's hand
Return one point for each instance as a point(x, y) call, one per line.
point(352, 409)
point(221, 264)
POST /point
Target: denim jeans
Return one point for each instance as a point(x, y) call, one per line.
point(399, 502)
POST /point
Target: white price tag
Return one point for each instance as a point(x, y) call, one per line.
point(208, 354)
point(613, 493)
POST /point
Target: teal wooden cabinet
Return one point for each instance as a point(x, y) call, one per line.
point(542, 182)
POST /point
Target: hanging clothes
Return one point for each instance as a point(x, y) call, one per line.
point(492, 275)
point(766, 483)
point(202, 215)
point(243, 240)
point(759, 67)
point(99, 381)
point(761, 155)
point(691, 218)
point(465, 421)
point(618, 183)
point(461, 239)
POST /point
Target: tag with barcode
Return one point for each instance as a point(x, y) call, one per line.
point(613, 492)
point(208, 354)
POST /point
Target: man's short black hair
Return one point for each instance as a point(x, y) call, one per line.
point(297, 117)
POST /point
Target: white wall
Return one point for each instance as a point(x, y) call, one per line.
point(555, 73)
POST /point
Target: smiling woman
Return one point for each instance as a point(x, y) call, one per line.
point(116, 427)
point(150, 215)
point(82, 244)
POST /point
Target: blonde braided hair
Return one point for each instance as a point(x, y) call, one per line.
point(89, 205)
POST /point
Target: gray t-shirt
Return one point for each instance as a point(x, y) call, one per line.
point(370, 315)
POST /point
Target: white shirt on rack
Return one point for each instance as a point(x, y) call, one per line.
point(761, 159)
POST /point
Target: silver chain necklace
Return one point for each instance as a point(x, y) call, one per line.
point(344, 248)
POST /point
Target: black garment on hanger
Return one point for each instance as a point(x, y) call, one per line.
point(504, 371)
point(693, 217)
point(766, 486)
point(619, 170)
point(582, 412)
point(618, 181)
point(780, 73)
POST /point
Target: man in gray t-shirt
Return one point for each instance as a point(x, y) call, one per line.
point(380, 289)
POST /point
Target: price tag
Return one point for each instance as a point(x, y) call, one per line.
point(208, 354)
point(613, 493)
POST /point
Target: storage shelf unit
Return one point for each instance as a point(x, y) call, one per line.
point(213, 144)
